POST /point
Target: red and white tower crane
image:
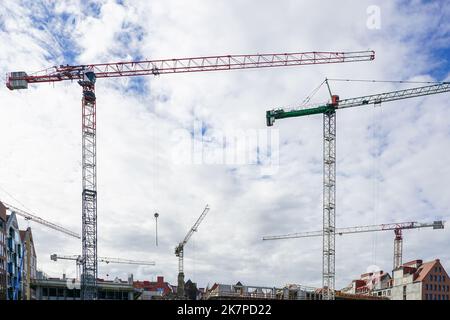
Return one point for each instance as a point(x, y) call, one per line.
point(86, 76)
point(396, 227)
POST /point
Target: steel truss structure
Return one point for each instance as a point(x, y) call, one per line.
point(197, 64)
point(329, 204)
point(179, 251)
point(396, 227)
point(34, 218)
point(89, 185)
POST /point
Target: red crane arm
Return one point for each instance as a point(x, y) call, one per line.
point(210, 63)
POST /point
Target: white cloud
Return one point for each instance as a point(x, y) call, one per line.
point(40, 148)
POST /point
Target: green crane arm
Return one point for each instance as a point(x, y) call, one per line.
point(272, 115)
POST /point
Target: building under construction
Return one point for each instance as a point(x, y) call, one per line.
point(288, 292)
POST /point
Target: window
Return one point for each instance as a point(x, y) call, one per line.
point(439, 287)
point(435, 278)
point(431, 277)
point(52, 292)
point(426, 296)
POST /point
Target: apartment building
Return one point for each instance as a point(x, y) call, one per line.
point(3, 256)
point(14, 252)
point(29, 264)
point(416, 280)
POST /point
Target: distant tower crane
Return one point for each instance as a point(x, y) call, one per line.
point(329, 160)
point(87, 75)
point(79, 261)
point(397, 227)
point(179, 251)
point(31, 217)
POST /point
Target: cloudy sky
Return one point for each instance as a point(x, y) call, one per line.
point(392, 160)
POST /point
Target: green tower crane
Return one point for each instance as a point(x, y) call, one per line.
point(329, 160)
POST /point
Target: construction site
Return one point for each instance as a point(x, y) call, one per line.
point(277, 174)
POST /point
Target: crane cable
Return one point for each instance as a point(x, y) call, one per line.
point(308, 98)
point(386, 81)
point(312, 94)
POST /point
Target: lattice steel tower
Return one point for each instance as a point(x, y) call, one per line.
point(329, 204)
point(89, 194)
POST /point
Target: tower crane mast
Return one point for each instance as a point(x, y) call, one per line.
point(179, 251)
point(329, 160)
point(86, 76)
point(396, 227)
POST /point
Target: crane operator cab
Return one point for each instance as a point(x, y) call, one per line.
point(87, 82)
point(89, 76)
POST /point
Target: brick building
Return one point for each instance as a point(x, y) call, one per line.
point(153, 289)
point(416, 280)
point(3, 255)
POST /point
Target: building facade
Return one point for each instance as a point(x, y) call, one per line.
point(151, 290)
point(14, 253)
point(29, 264)
point(378, 284)
point(69, 289)
point(416, 280)
point(3, 255)
point(240, 291)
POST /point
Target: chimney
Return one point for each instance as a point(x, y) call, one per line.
point(160, 280)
